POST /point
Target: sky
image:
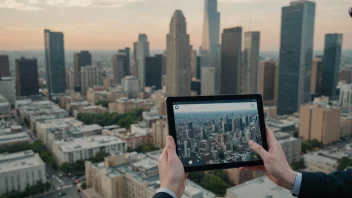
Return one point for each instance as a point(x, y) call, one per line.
point(217, 107)
point(113, 24)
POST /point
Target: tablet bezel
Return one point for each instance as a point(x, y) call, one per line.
point(172, 131)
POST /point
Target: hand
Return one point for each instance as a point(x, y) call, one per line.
point(171, 171)
point(275, 166)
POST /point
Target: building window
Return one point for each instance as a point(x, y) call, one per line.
point(40, 175)
point(27, 178)
point(6, 183)
point(33, 178)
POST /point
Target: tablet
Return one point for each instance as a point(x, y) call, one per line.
point(212, 132)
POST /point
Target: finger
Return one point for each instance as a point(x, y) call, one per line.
point(272, 178)
point(170, 147)
point(270, 136)
point(258, 149)
point(163, 157)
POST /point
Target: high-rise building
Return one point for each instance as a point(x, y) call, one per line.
point(4, 66)
point(7, 89)
point(210, 48)
point(198, 67)
point(90, 76)
point(55, 62)
point(267, 81)
point(178, 75)
point(319, 121)
point(345, 75)
point(130, 84)
point(317, 76)
point(196, 86)
point(81, 59)
point(153, 67)
point(119, 62)
point(70, 79)
point(141, 50)
point(127, 65)
point(331, 64)
point(194, 63)
point(297, 21)
point(27, 82)
point(250, 61)
point(231, 60)
point(208, 82)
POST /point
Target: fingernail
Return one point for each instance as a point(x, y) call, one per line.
point(246, 169)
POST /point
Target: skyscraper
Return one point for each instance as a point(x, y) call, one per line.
point(198, 67)
point(153, 67)
point(90, 76)
point(178, 75)
point(27, 82)
point(119, 62)
point(81, 59)
point(250, 61)
point(231, 60)
point(317, 76)
point(141, 50)
point(55, 62)
point(4, 66)
point(296, 53)
point(194, 63)
point(127, 65)
point(130, 84)
point(331, 64)
point(208, 84)
point(267, 81)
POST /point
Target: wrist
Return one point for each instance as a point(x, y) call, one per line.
point(288, 180)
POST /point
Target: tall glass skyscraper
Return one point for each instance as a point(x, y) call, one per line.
point(55, 62)
point(141, 50)
point(296, 53)
point(250, 62)
point(331, 64)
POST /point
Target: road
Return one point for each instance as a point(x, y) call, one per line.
point(70, 193)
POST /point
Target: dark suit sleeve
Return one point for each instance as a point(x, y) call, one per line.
point(337, 184)
point(162, 195)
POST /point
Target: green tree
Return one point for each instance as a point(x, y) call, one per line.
point(299, 165)
point(196, 176)
point(84, 185)
point(103, 103)
point(215, 184)
point(223, 175)
point(99, 157)
point(344, 163)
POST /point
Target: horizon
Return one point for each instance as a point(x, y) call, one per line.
point(113, 24)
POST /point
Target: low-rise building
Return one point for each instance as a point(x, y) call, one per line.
point(151, 116)
point(131, 175)
point(71, 150)
point(281, 125)
point(291, 146)
point(5, 106)
point(270, 112)
point(259, 187)
point(316, 162)
point(20, 170)
point(89, 109)
point(346, 124)
point(160, 132)
point(124, 105)
point(96, 94)
point(12, 133)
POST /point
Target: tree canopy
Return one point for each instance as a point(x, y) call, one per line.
point(29, 191)
point(310, 145)
point(79, 166)
point(344, 163)
point(103, 103)
point(299, 165)
point(215, 184)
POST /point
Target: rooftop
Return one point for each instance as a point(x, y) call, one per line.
point(264, 188)
point(18, 161)
point(60, 122)
point(14, 137)
point(126, 100)
point(76, 144)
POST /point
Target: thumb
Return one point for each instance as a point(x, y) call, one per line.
point(170, 147)
point(258, 149)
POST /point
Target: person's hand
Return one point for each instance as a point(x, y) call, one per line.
point(275, 166)
point(171, 171)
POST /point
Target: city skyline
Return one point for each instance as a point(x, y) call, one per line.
point(105, 31)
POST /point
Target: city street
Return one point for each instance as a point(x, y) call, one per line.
point(71, 192)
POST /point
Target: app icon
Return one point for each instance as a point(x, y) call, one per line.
point(190, 162)
point(176, 107)
point(252, 105)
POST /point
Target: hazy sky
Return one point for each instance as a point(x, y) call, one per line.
point(243, 106)
point(113, 24)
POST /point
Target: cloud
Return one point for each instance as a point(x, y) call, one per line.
point(41, 4)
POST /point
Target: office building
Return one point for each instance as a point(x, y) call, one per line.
point(198, 67)
point(158, 98)
point(131, 175)
point(7, 89)
point(160, 132)
point(27, 81)
point(141, 50)
point(317, 77)
point(208, 82)
point(345, 97)
point(12, 133)
point(20, 170)
point(250, 62)
point(130, 85)
point(231, 54)
point(345, 75)
point(124, 105)
point(95, 94)
point(210, 48)
point(4, 66)
point(119, 63)
point(90, 76)
point(5, 106)
point(55, 62)
point(70, 79)
point(291, 146)
point(153, 67)
point(81, 59)
point(295, 55)
point(331, 64)
point(268, 81)
point(259, 187)
point(72, 150)
point(319, 121)
point(127, 64)
point(194, 63)
point(108, 82)
point(178, 75)
point(196, 86)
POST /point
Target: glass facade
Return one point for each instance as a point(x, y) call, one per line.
point(296, 53)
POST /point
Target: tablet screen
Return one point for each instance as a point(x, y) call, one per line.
point(216, 132)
